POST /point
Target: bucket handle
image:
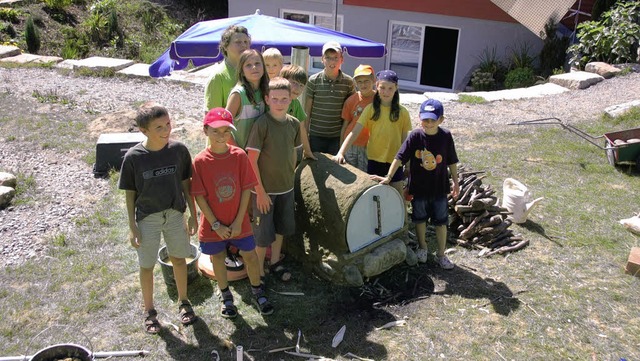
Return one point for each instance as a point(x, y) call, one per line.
point(59, 326)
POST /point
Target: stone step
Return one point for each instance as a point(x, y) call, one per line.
point(7, 51)
point(138, 70)
point(619, 109)
point(98, 63)
point(32, 58)
point(576, 79)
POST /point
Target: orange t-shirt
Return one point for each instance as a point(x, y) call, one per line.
point(351, 110)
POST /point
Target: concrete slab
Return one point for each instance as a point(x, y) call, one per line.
point(136, 71)
point(207, 71)
point(620, 109)
point(576, 80)
point(32, 58)
point(67, 64)
point(100, 63)
point(441, 96)
point(10, 2)
point(186, 77)
point(9, 50)
point(535, 91)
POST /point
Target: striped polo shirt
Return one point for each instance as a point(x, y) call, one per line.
point(328, 97)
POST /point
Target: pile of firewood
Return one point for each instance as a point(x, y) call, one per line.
point(478, 222)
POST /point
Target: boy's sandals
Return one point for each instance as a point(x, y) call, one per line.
point(280, 271)
point(263, 304)
point(228, 310)
point(187, 316)
point(151, 323)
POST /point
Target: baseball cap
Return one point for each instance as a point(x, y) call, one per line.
point(333, 45)
point(431, 109)
point(388, 75)
point(219, 117)
point(363, 70)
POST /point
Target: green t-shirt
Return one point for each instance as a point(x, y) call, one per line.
point(295, 109)
point(223, 79)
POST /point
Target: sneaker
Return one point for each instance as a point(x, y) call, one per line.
point(422, 255)
point(445, 263)
point(233, 263)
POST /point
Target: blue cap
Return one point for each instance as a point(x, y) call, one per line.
point(388, 75)
point(431, 109)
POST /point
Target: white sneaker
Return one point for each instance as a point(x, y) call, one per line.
point(422, 255)
point(445, 263)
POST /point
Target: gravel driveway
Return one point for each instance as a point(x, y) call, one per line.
point(66, 188)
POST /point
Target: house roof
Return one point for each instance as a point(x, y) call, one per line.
point(534, 17)
point(476, 9)
point(580, 11)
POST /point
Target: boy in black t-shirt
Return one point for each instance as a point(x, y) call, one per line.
point(431, 152)
point(156, 177)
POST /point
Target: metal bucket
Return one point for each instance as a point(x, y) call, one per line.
point(62, 351)
point(167, 267)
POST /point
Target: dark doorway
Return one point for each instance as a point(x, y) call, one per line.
point(439, 57)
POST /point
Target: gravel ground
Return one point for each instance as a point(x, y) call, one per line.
point(66, 189)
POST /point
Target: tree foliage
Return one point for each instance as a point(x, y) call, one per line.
point(611, 39)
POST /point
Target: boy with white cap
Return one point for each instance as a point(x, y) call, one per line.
point(326, 94)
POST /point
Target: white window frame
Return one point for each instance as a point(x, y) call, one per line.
point(415, 84)
point(312, 20)
point(404, 82)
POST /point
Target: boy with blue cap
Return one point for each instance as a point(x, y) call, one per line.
point(431, 151)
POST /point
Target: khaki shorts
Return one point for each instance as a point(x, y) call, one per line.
point(169, 224)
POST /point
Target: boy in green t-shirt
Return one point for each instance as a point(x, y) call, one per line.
point(297, 77)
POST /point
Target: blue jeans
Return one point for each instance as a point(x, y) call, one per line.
point(329, 145)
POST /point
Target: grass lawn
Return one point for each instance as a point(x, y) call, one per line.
point(565, 296)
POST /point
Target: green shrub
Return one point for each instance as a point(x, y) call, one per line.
point(97, 27)
point(609, 40)
point(601, 6)
point(32, 36)
point(10, 15)
point(103, 7)
point(520, 57)
point(489, 63)
point(481, 80)
point(58, 4)
point(554, 50)
point(519, 78)
point(9, 30)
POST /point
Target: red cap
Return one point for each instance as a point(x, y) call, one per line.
point(219, 117)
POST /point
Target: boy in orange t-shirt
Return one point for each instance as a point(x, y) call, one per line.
point(365, 80)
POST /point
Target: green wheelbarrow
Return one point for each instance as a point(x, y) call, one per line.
point(622, 147)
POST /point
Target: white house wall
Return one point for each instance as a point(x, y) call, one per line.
point(474, 35)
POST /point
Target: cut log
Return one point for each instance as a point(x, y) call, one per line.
point(469, 231)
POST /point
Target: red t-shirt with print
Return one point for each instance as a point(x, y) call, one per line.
point(221, 179)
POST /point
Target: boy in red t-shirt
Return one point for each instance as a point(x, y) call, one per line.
point(222, 183)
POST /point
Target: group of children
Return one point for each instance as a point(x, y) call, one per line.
point(243, 180)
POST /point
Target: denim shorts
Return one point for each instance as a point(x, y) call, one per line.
point(278, 220)
point(435, 209)
point(357, 157)
point(169, 224)
point(244, 244)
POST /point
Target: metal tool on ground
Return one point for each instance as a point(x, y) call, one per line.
point(621, 147)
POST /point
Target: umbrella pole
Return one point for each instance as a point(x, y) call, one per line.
point(300, 56)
